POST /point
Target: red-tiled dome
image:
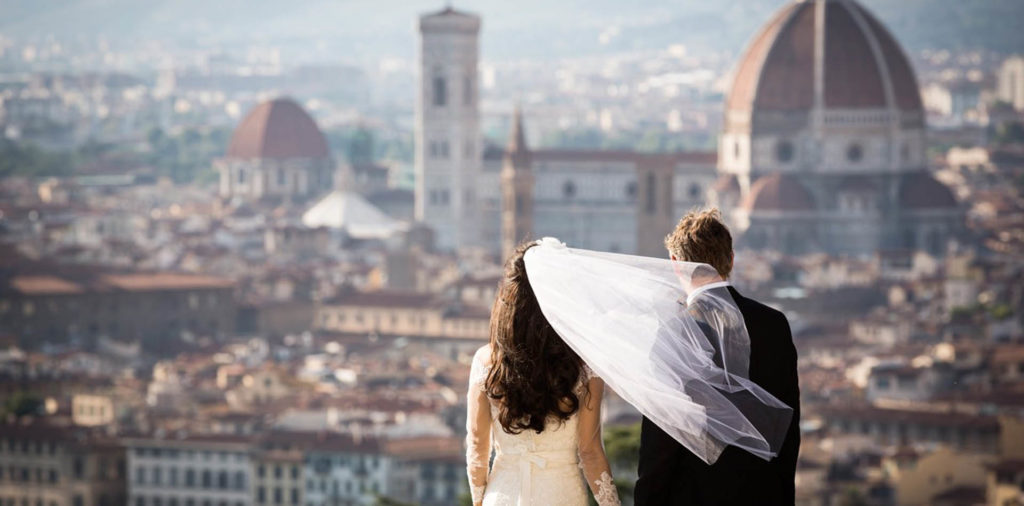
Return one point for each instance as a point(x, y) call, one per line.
point(279, 128)
point(778, 192)
point(777, 71)
point(919, 190)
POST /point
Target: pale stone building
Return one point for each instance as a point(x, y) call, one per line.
point(1011, 82)
point(823, 141)
point(448, 147)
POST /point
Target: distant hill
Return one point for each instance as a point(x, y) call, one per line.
point(365, 31)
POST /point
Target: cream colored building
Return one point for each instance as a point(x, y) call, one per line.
point(93, 410)
point(940, 471)
point(1011, 82)
point(278, 478)
point(416, 315)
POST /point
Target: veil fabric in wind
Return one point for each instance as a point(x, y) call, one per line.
point(667, 337)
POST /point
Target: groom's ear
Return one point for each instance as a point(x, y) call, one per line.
point(673, 257)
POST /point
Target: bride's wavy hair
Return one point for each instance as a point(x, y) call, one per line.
point(534, 374)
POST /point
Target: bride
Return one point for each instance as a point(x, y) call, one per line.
point(534, 399)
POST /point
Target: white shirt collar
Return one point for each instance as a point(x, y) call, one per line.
point(703, 288)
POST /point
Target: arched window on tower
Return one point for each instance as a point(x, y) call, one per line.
point(440, 88)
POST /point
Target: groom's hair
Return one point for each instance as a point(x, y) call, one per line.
point(701, 237)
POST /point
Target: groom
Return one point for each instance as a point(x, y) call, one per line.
point(670, 474)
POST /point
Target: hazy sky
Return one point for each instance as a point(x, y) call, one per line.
point(365, 30)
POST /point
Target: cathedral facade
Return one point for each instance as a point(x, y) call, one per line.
point(487, 197)
point(823, 145)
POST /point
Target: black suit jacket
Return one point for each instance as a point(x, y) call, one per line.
point(670, 474)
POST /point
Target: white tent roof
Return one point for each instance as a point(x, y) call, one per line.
point(350, 211)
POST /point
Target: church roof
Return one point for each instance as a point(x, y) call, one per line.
point(778, 192)
point(516, 151)
point(863, 65)
point(278, 128)
point(919, 190)
point(342, 209)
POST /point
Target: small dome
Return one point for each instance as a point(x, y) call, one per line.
point(778, 192)
point(919, 190)
point(278, 128)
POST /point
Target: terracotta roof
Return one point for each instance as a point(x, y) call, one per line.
point(164, 281)
point(90, 280)
point(279, 128)
point(39, 285)
point(777, 70)
point(778, 192)
point(919, 190)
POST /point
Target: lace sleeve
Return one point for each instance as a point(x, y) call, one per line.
point(478, 428)
point(592, 456)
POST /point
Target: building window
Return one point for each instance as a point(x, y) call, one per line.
point(784, 151)
point(241, 175)
point(631, 190)
point(854, 153)
point(280, 177)
point(240, 480)
point(569, 189)
point(694, 191)
point(467, 90)
point(190, 478)
point(440, 91)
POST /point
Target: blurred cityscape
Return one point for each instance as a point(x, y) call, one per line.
point(247, 251)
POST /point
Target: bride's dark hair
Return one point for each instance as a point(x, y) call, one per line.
point(534, 374)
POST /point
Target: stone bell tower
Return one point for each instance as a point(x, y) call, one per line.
point(516, 189)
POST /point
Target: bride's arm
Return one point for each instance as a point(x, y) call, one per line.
point(592, 457)
point(478, 429)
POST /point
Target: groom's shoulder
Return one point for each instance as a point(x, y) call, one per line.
point(762, 312)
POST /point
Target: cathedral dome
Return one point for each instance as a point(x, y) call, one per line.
point(778, 192)
point(862, 65)
point(278, 128)
point(920, 190)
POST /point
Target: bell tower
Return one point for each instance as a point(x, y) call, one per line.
point(448, 143)
point(516, 189)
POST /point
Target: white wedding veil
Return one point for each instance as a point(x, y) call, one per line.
point(667, 337)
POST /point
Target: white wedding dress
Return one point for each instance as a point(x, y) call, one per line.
point(531, 468)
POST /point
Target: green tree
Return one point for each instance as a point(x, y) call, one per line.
point(23, 404)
